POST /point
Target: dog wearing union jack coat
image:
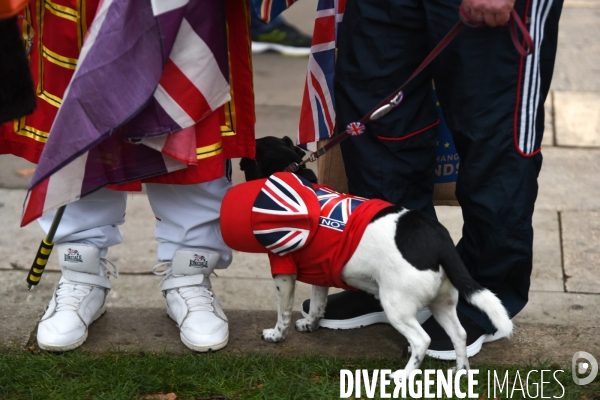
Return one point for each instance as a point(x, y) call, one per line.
point(329, 239)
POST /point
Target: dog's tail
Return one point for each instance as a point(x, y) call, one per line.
point(474, 293)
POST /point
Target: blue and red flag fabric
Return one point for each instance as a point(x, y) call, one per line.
point(336, 207)
point(280, 214)
point(148, 72)
point(317, 115)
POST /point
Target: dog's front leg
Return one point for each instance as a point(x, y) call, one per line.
point(285, 285)
point(318, 301)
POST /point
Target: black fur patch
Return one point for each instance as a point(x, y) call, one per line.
point(425, 244)
point(274, 154)
point(420, 239)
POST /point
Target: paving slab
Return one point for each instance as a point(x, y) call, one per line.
point(9, 176)
point(569, 180)
point(302, 15)
point(18, 246)
point(277, 120)
point(581, 243)
point(556, 308)
point(451, 218)
point(278, 80)
point(16, 325)
point(14, 289)
point(577, 118)
point(578, 57)
point(548, 138)
point(547, 271)
point(533, 343)
point(581, 4)
point(151, 329)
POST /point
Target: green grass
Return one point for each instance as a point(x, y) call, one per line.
point(80, 375)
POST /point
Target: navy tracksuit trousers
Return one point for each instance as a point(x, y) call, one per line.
point(493, 102)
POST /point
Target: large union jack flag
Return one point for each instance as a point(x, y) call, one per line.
point(152, 68)
point(336, 208)
point(280, 216)
point(317, 115)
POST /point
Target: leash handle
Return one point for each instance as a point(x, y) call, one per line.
point(516, 26)
point(468, 19)
point(526, 48)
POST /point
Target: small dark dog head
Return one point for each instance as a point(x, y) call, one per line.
point(275, 155)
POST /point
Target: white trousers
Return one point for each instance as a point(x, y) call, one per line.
point(187, 216)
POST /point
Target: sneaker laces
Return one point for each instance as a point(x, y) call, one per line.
point(197, 298)
point(70, 294)
point(114, 271)
point(166, 272)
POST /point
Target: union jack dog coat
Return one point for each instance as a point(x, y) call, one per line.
point(316, 235)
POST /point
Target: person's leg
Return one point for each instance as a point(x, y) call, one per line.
point(257, 26)
point(490, 95)
point(191, 247)
point(380, 45)
point(277, 35)
point(88, 227)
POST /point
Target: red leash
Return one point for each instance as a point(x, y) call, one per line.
point(393, 100)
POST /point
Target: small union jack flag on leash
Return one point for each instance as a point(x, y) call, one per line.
point(355, 128)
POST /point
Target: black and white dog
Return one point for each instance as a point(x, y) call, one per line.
point(405, 258)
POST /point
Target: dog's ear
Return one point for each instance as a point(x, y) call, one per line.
point(291, 144)
point(288, 141)
point(308, 174)
point(250, 168)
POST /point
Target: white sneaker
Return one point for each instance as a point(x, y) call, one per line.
point(202, 324)
point(79, 298)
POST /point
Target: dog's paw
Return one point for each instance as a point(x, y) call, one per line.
point(304, 325)
point(272, 335)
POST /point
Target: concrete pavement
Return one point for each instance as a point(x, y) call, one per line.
point(562, 317)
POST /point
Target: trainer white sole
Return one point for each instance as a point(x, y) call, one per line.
point(261, 47)
point(204, 349)
point(365, 320)
point(75, 344)
point(472, 349)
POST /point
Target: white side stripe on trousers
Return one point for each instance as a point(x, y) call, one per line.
point(531, 84)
